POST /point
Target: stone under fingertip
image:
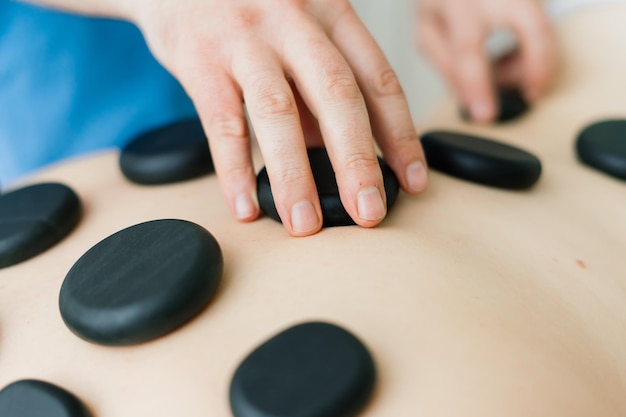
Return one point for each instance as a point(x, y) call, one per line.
point(333, 211)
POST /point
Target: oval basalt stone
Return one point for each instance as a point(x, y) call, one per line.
point(141, 282)
point(481, 160)
point(313, 369)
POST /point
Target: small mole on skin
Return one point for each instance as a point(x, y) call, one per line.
point(555, 260)
point(581, 264)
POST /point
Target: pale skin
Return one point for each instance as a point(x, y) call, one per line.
point(473, 301)
point(308, 73)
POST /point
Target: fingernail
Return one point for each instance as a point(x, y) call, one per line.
point(370, 204)
point(416, 177)
point(245, 207)
point(304, 217)
point(481, 110)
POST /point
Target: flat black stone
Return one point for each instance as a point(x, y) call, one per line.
point(333, 212)
point(511, 105)
point(141, 283)
point(35, 218)
point(602, 146)
point(481, 160)
point(310, 370)
point(172, 153)
point(32, 398)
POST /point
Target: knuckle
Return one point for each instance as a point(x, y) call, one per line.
point(402, 148)
point(275, 104)
point(359, 161)
point(340, 85)
point(337, 82)
point(292, 175)
point(228, 127)
point(316, 47)
point(406, 141)
point(237, 171)
point(244, 18)
point(386, 83)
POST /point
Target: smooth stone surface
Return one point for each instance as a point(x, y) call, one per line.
point(32, 398)
point(332, 210)
point(141, 283)
point(310, 370)
point(511, 105)
point(35, 218)
point(168, 154)
point(602, 146)
point(481, 160)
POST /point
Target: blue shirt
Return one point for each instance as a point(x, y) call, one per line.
point(71, 84)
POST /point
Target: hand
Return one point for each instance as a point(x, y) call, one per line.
point(452, 33)
point(294, 63)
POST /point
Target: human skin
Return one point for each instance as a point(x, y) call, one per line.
point(474, 301)
point(452, 33)
point(308, 72)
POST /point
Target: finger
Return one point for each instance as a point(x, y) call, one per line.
point(274, 115)
point(472, 74)
point(434, 45)
point(508, 70)
point(538, 48)
point(388, 107)
point(220, 107)
point(330, 90)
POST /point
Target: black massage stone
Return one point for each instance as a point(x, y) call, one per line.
point(602, 146)
point(481, 160)
point(333, 212)
point(511, 105)
point(141, 283)
point(35, 218)
point(31, 398)
point(310, 370)
point(168, 154)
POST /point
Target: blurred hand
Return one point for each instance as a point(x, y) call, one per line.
point(298, 65)
point(452, 33)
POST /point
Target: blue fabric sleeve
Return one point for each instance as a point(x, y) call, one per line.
point(71, 84)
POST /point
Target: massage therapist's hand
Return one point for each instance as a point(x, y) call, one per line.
point(227, 52)
point(452, 34)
